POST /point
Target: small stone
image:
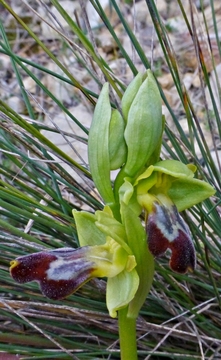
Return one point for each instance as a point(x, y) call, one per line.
point(17, 104)
point(166, 81)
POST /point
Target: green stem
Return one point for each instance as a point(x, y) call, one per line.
point(127, 334)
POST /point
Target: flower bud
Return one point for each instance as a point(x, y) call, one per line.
point(98, 146)
point(144, 124)
point(130, 94)
point(117, 145)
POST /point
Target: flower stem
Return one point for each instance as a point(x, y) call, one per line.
point(127, 334)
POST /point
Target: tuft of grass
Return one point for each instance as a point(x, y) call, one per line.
point(40, 183)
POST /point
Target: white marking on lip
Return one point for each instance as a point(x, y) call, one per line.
point(170, 236)
point(169, 222)
point(61, 269)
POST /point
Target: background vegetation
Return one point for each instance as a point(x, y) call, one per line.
point(54, 58)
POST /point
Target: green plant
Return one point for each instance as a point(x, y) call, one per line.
point(36, 214)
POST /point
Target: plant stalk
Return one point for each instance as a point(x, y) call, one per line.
point(127, 334)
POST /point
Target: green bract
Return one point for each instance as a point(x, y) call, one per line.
point(136, 237)
point(98, 146)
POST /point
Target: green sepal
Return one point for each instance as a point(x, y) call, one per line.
point(175, 180)
point(144, 125)
point(88, 232)
point(137, 240)
point(113, 228)
point(181, 186)
point(117, 145)
point(185, 193)
point(98, 146)
point(175, 168)
point(121, 289)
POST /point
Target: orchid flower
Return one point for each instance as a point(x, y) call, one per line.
point(113, 242)
point(61, 272)
point(163, 190)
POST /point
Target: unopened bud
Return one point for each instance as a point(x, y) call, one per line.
point(144, 125)
point(117, 145)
